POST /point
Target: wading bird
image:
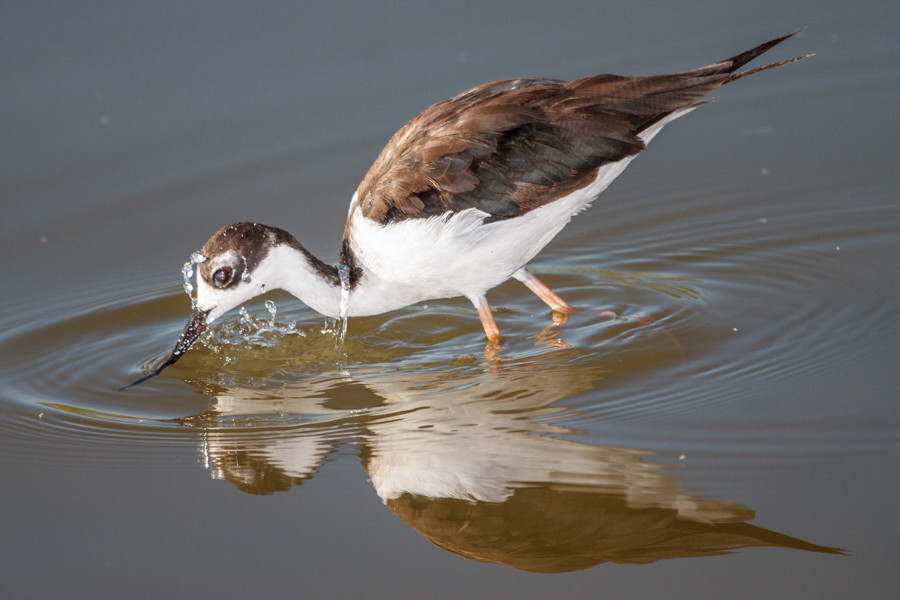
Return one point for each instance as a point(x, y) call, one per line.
point(462, 197)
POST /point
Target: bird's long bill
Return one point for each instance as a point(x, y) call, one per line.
point(195, 327)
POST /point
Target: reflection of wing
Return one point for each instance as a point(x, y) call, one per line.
point(474, 470)
point(545, 530)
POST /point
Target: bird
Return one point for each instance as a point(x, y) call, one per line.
point(462, 197)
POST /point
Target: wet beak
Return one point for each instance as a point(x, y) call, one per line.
point(196, 326)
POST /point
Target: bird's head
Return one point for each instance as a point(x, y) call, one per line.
point(238, 263)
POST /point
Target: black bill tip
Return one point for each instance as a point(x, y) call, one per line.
point(196, 326)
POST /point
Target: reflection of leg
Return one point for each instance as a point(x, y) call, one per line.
point(544, 293)
point(487, 319)
point(553, 301)
point(492, 355)
point(549, 335)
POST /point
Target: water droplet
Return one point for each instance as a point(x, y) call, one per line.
point(245, 276)
point(187, 272)
point(271, 307)
point(344, 276)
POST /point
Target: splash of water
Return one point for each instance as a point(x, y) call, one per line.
point(344, 275)
point(245, 276)
point(249, 331)
point(270, 306)
point(187, 271)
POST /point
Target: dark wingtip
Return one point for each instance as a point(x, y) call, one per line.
point(743, 58)
point(736, 62)
point(766, 67)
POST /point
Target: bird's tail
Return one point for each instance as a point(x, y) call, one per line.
point(736, 62)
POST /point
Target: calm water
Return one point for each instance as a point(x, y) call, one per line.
point(745, 443)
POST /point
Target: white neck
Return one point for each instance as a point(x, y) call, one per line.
point(288, 266)
point(290, 269)
point(317, 285)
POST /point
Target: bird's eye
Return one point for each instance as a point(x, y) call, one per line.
point(222, 277)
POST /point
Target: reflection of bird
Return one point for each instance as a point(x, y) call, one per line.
point(478, 466)
point(463, 196)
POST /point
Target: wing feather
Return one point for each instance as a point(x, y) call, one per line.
point(511, 146)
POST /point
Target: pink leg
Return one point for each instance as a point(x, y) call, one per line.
point(487, 319)
point(564, 308)
point(549, 296)
point(544, 293)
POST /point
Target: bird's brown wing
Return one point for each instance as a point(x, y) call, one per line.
point(511, 146)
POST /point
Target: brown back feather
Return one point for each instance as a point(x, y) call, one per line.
point(511, 146)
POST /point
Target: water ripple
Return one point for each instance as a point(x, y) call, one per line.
point(709, 307)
